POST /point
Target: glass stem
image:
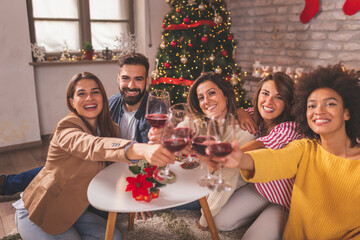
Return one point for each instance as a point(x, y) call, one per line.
point(220, 173)
point(167, 169)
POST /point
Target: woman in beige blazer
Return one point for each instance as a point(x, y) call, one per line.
point(54, 205)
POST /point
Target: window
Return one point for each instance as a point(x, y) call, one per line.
point(55, 24)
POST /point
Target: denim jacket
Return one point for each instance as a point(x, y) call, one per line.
point(116, 103)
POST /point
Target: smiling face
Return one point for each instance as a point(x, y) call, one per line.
point(132, 81)
point(87, 100)
point(270, 103)
point(325, 112)
point(211, 99)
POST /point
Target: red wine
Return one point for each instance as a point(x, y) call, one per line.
point(156, 120)
point(183, 132)
point(220, 149)
point(175, 144)
point(199, 144)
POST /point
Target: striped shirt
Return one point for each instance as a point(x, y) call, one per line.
point(279, 191)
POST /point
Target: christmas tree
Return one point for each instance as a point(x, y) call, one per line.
point(196, 39)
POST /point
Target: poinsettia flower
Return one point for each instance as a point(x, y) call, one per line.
point(149, 171)
point(138, 186)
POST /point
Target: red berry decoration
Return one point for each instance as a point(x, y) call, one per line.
point(190, 45)
point(224, 53)
point(231, 37)
point(204, 39)
point(178, 10)
point(173, 43)
point(166, 65)
point(186, 20)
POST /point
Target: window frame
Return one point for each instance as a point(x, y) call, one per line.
point(84, 22)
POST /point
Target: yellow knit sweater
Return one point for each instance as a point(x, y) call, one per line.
point(326, 195)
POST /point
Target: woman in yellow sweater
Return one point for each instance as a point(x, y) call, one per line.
point(326, 164)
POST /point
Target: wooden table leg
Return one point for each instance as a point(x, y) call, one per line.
point(209, 218)
point(131, 221)
point(110, 227)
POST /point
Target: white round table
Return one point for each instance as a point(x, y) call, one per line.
point(107, 192)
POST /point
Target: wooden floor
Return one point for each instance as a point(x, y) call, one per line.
point(17, 162)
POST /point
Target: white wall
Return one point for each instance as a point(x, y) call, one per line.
point(51, 84)
point(19, 121)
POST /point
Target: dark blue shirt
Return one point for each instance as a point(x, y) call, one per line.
point(116, 103)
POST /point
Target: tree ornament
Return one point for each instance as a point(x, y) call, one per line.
point(186, 20)
point(190, 44)
point(218, 19)
point(162, 45)
point(234, 80)
point(204, 39)
point(310, 10)
point(183, 59)
point(351, 7)
point(191, 2)
point(230, 37)
point(201, 7)
point(166, 65)
point(181, 78)
point(218, 70)
point(224, 53)
point(154, 74)
point(185, 94)
point(212, 58)
point(178, 10)
point(163, 26)
point(173, 43)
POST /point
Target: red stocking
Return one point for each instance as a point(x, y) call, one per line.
point(310, 9)
point(351, 7)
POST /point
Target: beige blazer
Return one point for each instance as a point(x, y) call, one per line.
point(57, 196)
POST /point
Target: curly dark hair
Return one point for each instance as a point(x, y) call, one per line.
point(285, 85)
point(225, 87)
point(345, 83)
point(134, 59)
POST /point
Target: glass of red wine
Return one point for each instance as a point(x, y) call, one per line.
point(222, 129)
point(185, 127)
point(199, 145)
point(174, 138)
point(157, 108)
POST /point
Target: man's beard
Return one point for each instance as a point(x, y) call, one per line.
point(132, 100)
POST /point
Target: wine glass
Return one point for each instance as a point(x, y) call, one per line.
point(157, 108)
point(174, 138)
point(182, 114)
point(199, 145)
point(223, 130)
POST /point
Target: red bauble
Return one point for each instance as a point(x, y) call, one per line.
point(204, 39)
point(166, 65)
point(224, 53)
point(178, 10)
point(190, 45)
point(186, 20)
point(173, 43)
point(181, 78)
point(231, 37)
point(163, 26)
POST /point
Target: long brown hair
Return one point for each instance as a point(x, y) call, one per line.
point(228, 92)
point(105, 123)
point(285, 85)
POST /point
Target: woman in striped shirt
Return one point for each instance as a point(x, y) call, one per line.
point(266, 203)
